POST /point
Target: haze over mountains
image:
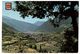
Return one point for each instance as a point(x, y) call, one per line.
point(39, 23)
point(38, 26)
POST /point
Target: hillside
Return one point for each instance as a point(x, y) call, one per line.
point(39, 23)
point(7, 29)
point(47, 26)
point(28, 27)
point(36, 27)
point(19, 25)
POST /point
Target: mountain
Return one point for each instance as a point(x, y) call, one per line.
point(39, 23)
point(47, 26)
point(7, 29)
point(19, 25)
point(37, 27)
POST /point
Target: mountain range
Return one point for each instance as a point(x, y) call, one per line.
point(38, 26)
point(19, 25)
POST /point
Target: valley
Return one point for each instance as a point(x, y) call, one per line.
point(32, 43)
point(23, 37)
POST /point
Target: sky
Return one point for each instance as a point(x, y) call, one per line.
point(15, 15)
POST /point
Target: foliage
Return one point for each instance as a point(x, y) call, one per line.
point(71, 42)
point(56, 11)
point(42, 9)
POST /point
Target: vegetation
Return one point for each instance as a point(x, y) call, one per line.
point(42, 42)
point(49, 42)
point(44, 9)
point(58, 10)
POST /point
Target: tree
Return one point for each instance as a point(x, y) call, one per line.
point(41, 9)
point(61, 10)
point(40, 48)
point(35, 46)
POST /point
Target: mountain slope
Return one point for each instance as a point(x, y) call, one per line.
point(7, 29)
point(19, 25)
point(39, 23)
point(28, 27)
point(47, 26)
